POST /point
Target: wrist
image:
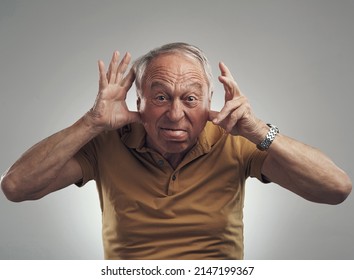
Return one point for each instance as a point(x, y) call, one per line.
point(258, 133)
point(90, 121)
point(269, 137)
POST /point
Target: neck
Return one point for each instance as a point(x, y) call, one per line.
point(174, 159)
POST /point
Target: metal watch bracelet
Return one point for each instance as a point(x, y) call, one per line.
point(267, 141)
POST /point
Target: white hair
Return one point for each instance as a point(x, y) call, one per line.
point(140, 65)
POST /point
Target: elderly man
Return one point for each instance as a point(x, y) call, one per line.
point(171, 176)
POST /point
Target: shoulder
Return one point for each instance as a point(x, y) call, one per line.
point(214, 134)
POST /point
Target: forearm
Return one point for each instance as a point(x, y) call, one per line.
point(40, 166)
point(305, 171)
point(50, 164)
point(300, 168)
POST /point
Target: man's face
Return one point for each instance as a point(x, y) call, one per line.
point(175, 103)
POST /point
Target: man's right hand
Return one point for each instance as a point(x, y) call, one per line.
point(110, 110)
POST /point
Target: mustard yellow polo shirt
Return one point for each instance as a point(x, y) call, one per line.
point(152, 211)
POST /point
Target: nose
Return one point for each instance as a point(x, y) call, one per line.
point(176, 111)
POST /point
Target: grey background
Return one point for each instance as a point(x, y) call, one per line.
point(293, 59)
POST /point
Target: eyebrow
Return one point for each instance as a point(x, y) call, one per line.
point(157, 84)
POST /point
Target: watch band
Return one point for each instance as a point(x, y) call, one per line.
point(267, 141)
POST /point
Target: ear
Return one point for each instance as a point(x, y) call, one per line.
point(210, 97)
point(138, 101)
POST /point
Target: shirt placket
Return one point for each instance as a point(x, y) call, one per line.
point(166, 168)
point(173, 186)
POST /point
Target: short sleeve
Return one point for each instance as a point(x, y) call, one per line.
point(255, 165)
point(253, 160)
point(87, 159)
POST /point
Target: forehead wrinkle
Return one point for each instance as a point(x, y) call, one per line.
point(193, 87)
point(175, 72)
point(161, 74)
point(161, 77)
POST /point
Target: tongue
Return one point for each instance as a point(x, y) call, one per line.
point(175, 134)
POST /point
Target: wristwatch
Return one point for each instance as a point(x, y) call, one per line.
point(273, 131)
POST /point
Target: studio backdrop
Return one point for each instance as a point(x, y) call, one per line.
point(294, 61)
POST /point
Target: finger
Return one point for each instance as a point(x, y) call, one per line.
point(227, 88)
point(123, 65)
point(227, 110)
point(230, 121)
point(112, 72)
point(127, 82)
point(102, 74)
point(229, 83)
point(225, 70)
point(128, 79)
point(108, 74)
point(227, 123)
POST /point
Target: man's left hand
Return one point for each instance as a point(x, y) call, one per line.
point(236, 117)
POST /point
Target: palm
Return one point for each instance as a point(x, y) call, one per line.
point(110, 109)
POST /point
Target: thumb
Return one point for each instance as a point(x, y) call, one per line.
point(213, 115)
point(134, 117)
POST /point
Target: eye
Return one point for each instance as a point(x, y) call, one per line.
point(191, 101)
point(191, 98)
point(160, 98)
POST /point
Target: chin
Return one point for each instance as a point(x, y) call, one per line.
point(176, 147)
